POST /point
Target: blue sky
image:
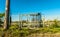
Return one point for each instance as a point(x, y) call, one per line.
point(49, 8)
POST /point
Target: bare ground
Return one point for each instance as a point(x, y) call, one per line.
point(44, 35)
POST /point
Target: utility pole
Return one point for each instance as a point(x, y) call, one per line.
point(6, 20)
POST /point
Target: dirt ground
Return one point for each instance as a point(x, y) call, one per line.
point(44, 35)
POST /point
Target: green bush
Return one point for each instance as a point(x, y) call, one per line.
point(14, 31)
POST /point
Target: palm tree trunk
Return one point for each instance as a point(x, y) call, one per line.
point(6, 21)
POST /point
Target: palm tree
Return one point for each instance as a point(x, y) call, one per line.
point(6, 21)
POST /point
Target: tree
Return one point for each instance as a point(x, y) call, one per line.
point(6, 20)
point(1, 16)
point(55, 23)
